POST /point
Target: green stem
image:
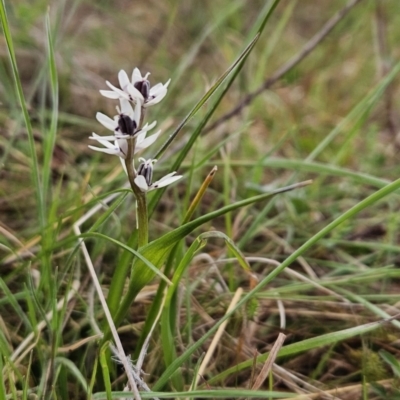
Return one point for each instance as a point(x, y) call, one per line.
point(143, 234)
point(121, 272)
point(141, 212)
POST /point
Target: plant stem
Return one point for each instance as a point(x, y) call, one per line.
point(141, 212)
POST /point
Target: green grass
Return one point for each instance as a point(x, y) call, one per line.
point(317, 262)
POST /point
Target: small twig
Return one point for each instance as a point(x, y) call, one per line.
point(303, 53)
point(269, 362)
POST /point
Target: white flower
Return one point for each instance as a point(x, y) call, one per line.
point(124, 127)
point(114, 149)
point(137, 90)
point(145, 175)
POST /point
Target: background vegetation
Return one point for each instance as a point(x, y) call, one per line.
point(331, 116)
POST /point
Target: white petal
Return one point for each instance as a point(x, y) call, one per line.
point(114, 151)
point(126, 108)
point(106, 121)
point(155, 100)
point(123, 146)
point(110, 94)
point(141, 135)
point(144, 143)
point(143, 132)
point(102, 141)
point(138, 112)
point(105, 138)
point(167, 176)
point(135, 94)
point(109, 138)
point(158, 94)
point(136, 76)
point(123, 164)
point(154, 90)
point(121, 93)
point(123, 79)
point(151, 126)
point(141, 182)
point(166, 180)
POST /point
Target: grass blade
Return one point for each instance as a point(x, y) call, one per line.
point(24, 108)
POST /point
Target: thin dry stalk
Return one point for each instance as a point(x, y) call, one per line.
point(299, 385)
point(121, 353)
point(216, 339)
point(345, 393)
point(266, 369)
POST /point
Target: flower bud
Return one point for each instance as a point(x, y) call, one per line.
point(126, 124)
point(146, 170)
point(144, 88)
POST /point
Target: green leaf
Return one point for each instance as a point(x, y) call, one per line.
point(372, 307)
point(146, 263)
point(167, 339)
point(104, 369)
point(392, 361)
point(74, 370)
point(2, 383)
point(15, 305)
point(50, 136)
point(20, 94)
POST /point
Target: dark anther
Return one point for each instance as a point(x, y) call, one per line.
point(126, 125)
point(146, 170)
point(143, 87)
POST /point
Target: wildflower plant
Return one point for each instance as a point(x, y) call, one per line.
point(130, 137)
